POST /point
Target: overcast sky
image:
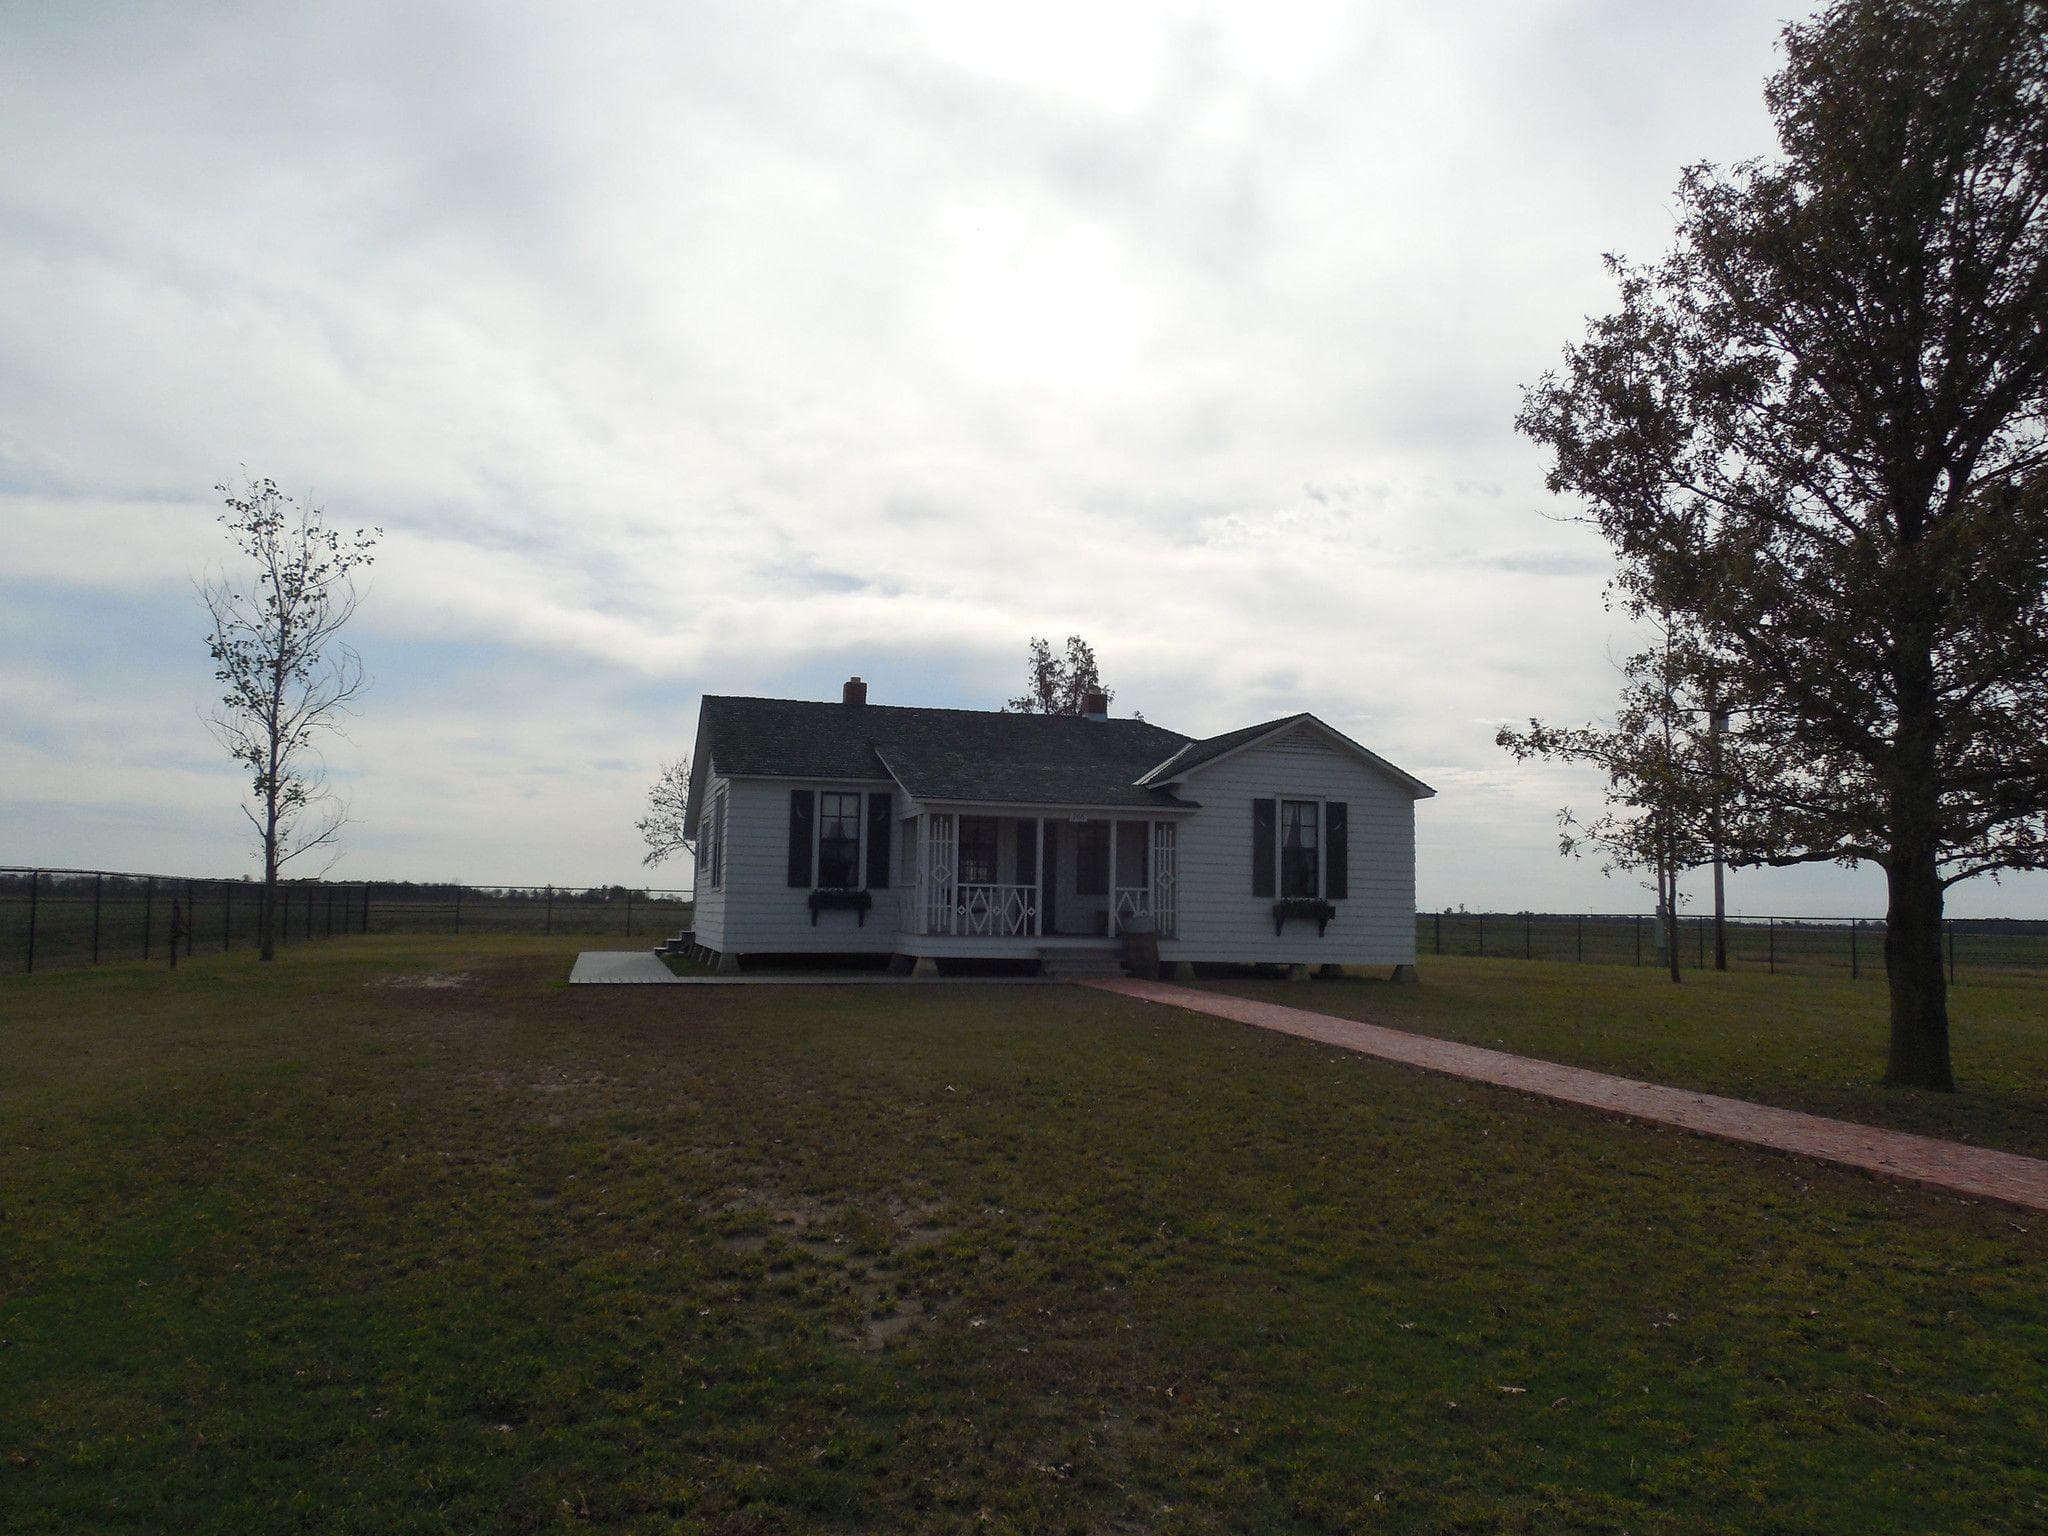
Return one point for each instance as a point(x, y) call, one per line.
point(738, 348)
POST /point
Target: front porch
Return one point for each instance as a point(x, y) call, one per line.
point(1013, 885)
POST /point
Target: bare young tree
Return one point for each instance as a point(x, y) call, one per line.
point(286, 676)
point(1666, 795)
point(668, 807)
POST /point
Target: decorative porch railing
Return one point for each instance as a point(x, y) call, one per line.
point(994, 911)
point(982, 909)
point(1138, 901)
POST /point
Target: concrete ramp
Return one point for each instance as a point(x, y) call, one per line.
point(620, 968)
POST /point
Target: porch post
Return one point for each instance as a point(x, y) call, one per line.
point(920, 843)
point(1112, 876)
point(1038, 892)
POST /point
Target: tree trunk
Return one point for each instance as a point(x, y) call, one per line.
point(1919, 1055)
point(1919, 988)
point(266, 909)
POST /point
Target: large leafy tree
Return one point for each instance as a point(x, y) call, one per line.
point(1815, 433)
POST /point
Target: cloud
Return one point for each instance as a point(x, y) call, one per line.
point(737, 348)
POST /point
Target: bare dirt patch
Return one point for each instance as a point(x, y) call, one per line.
point(429, 981)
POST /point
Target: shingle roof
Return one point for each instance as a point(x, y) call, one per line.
point(980, 756)
point(1196, 753)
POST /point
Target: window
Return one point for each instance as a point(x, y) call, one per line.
point(977, 850)
point(1299, 840)
point(711, 842)
point(839, 840)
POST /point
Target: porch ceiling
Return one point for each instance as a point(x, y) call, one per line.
point(1164, 810)
point(945, 773)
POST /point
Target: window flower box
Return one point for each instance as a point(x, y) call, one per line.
point(826, 899)
point(1308, 908)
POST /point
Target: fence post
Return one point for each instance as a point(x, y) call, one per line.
point(1528, 943)
point(1951, 952)
point(191, 916)
point(551, 909)
point(458, 902)
point(1639, 939)
point(1439, 933)
point(629, 914)
point(366, 907)
point(1703, 943)
point(328, 931)
point(1582, 937)
point(1855, 960)
point(227, 915)
point(96, 881)
point(148, 907)
point(35, 877)
point(1774, 946)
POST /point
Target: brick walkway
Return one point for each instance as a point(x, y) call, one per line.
point(2005, 1177)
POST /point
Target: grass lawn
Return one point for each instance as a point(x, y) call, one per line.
point(406, 1235)
point(1802, 1042)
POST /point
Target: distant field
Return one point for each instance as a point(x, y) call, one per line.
point(404, 1235)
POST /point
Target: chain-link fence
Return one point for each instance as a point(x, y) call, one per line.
point(1802, 946)
point(70, 917)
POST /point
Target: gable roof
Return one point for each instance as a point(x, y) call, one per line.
point(985, 757)
point(1200, 754)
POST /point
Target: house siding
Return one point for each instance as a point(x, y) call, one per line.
point(761, 912)
point(708, 920)
point(1220, 918)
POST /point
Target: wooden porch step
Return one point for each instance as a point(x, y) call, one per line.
point(1080, 964)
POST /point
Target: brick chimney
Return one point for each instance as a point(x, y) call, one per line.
point(856, 692)
point(1095, 706)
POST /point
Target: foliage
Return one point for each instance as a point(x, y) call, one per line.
point(285, 674)
point(668, 806)
point(1814, 434)
point(1059, 685)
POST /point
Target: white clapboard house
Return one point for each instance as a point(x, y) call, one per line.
point(927, 834)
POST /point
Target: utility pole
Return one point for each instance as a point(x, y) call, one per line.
point(1717, 722)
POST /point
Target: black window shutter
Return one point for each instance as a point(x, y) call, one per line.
point(881, 806)
point(803, 813)
point(1336, 850)
point(1264, 815)
point(1027, 852)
